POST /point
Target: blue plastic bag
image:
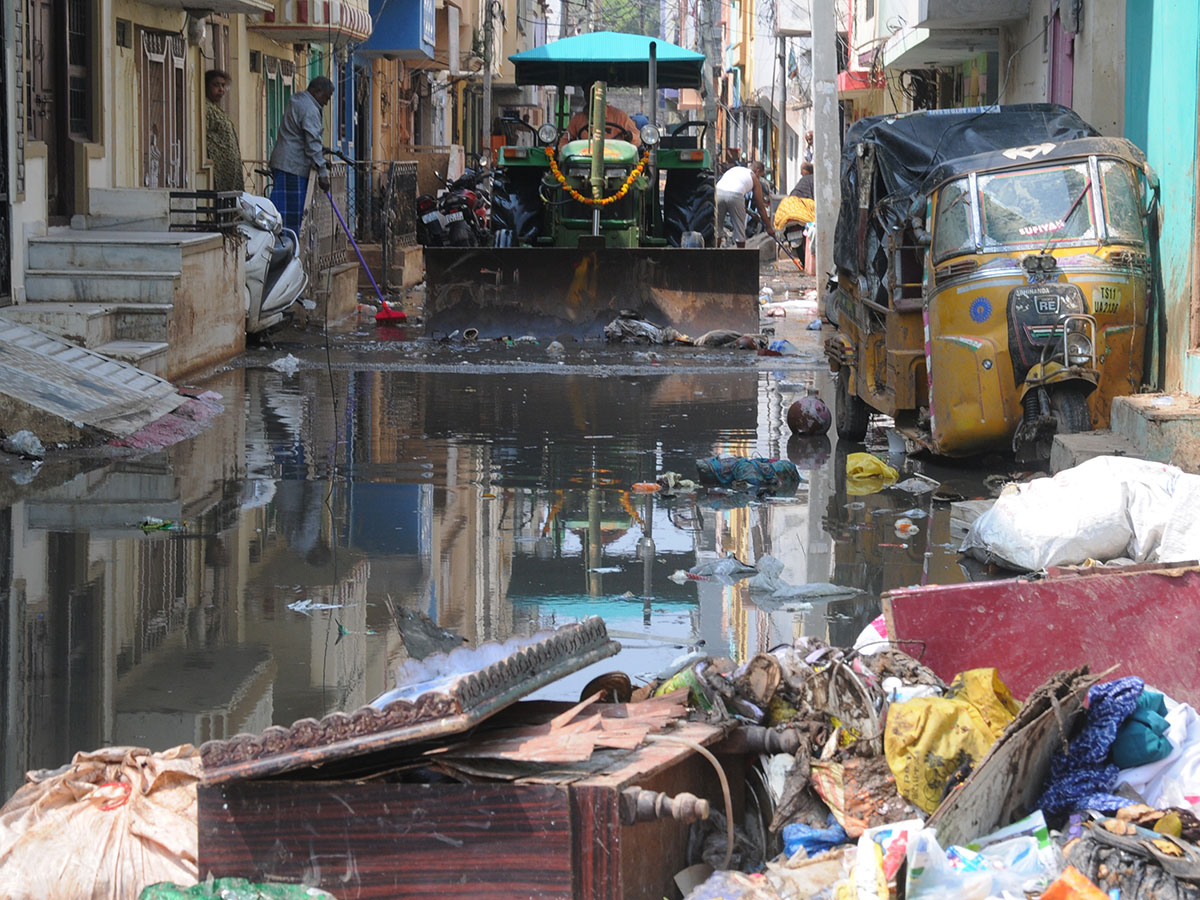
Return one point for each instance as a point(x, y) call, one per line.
point(813, 840)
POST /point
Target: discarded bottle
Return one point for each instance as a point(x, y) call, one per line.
point(691, 680)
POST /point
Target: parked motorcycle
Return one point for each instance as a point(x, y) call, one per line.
point(431, 224)
point(275, 277)
point(465, 209)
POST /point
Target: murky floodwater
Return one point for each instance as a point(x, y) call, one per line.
point(492, 496)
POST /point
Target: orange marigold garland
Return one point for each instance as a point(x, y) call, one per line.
point(603, 201)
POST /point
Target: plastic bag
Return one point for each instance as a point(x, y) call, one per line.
point(931, 876)
point(1073, 885)
point(813, 840)
point(929, 738)
point(1106, 508)
point(233, 889)
point(868, 474)
point(113, 821)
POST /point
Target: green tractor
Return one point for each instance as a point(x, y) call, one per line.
point(592, 219)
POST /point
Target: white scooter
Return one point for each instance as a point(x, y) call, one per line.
point(275, 277)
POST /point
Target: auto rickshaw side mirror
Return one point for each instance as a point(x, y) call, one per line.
point(1152, 186)
point(918, 215)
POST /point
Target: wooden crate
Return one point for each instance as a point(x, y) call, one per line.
point(557, 837)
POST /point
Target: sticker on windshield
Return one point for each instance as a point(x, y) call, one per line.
point(1044, 228)
point(1106, 299)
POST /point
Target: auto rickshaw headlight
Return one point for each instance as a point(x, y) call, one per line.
point(650, 135)
point(547, 133)
point(1079, 348)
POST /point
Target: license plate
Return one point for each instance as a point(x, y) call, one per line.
point(454, 217)
point(1106, 299)
point(429, 217)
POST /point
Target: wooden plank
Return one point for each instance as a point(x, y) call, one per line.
point(644, 762)
point(1142, 622)
point(482, 842)
point(596, 843)
point(1006, 784)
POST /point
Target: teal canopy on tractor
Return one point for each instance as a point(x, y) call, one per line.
point(621, 60)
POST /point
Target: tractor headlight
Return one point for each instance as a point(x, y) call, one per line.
point(547, 133)
point(650, 135)
point(1079, 348)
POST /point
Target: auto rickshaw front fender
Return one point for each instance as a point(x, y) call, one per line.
point(1046, 374)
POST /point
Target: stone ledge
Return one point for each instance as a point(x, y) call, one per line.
point(1163, 427)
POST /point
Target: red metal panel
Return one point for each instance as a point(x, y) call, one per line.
point(1145, 623)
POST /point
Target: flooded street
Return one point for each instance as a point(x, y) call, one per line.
point(488, 487)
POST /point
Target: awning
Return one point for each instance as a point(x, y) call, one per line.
point(316, 22)
point(621, 60)
point(224, 7)
point(855, 84)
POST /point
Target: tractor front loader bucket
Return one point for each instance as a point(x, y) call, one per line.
point(550, 291)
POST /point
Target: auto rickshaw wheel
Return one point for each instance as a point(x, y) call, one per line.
point(851, 412)
point(1068, 404)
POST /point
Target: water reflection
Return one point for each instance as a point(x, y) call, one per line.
point(495, 504)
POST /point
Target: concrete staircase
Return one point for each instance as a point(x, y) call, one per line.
point(112, 291)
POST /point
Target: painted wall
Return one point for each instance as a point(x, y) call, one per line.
point(1162, 47)
point(1099, 56)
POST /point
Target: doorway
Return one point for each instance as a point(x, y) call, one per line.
point(58, 93)
point(164, 105)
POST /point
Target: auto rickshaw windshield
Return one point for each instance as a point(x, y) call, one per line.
point(1028, 207)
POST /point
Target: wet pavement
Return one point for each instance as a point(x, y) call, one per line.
point(487, 486)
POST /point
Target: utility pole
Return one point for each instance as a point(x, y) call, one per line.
point(827, 137)
point(566, 14)
point(486, 143)
point(781, 182)
point(712, 57)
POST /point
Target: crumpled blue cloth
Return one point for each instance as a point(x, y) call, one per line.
point(1082, 777)
point(756, 472)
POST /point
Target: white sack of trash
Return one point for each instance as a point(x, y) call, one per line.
point(1107, 508)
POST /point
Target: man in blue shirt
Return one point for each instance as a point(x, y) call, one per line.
point(298, 151)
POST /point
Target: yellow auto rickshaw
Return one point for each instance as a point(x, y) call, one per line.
point(993, 275)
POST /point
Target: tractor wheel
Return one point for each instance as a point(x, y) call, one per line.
point(689, 203)
point(516, 207)
point(851, 413)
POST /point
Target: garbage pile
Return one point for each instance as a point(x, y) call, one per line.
point(902, 785)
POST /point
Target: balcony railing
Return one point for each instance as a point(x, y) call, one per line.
point(335, 22)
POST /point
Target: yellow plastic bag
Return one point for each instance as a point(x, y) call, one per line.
point(867, 474)
point(929, 738)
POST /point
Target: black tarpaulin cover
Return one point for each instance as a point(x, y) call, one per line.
point(909, 148)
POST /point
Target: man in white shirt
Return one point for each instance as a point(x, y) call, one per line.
point(732, 189)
